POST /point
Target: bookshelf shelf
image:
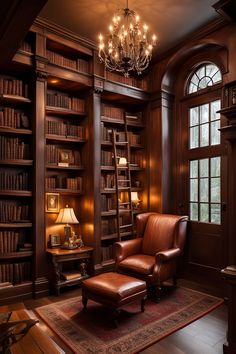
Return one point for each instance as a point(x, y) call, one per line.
point(63, 111)
point(15, 193)
point(15, 255)
point(14, 99)
point(18, 131)
point(72, 168)
point(64, 139)
point(16, 225)
point(65, 191)
point(17, 162)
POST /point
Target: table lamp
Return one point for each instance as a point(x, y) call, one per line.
point(135, 200)
point(67, 216)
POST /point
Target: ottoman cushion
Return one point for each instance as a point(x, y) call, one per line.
point(113, 286)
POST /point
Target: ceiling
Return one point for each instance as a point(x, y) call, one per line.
point(170, 20)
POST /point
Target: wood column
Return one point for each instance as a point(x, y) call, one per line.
point(229, 273)
point(40, 281)
point(160, 155)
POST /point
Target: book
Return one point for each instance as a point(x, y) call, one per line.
point(71, 275)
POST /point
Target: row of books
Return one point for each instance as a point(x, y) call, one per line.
point(26, 47)
point(132, 81)
point(106, 158)
point(58, 156)
point(62, 100)
point(13, 149)
point(13, 118)
point(106, 135)
point(64, 129)
point(15, 273)
point(8, 241)
point(109, 226)
point(107, 252)
point(12, 86)
point(112, 112)
point(14, 180)
point(108, 202)
point(12, 212)
point(107, 181)
point(76, 64)
point(64, 183)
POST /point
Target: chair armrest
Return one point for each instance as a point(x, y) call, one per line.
point(127, 248)
point(168, 255)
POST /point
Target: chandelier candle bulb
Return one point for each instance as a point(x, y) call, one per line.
point(127, 48)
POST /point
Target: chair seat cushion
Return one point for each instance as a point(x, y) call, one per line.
point(140, 263)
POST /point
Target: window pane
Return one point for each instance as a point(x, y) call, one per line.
point(194, 211)
point(201, 72)
point(204, 169)
point(215, 166)
point(194, 169)
point(194, 116)
point(215, 190)
point(194, 190)
point(204, 82)
point(204, 135)
point(215, 133)
point(215, 213)
point(204, 190)
point(211, 70)
point(215, 106)
point(217, 77)
point(194, 137)
point(192, 88)
point(204, 212)
point(204, 113)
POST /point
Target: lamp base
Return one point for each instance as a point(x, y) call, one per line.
point(68, 247)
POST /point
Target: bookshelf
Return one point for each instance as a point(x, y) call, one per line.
point(55, 139)
point(16, 175)
point(113, 119)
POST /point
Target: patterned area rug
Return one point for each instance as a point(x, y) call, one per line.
point(93, 331)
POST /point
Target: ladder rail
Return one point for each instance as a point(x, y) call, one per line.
point(127, 180)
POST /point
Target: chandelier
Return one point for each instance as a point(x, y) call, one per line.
point(127, 47)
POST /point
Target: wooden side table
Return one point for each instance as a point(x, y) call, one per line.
point(80, 256)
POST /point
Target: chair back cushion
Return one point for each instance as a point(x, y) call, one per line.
point(160, 233)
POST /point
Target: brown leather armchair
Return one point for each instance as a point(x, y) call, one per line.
point(153, 256)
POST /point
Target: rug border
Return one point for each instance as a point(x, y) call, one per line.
point(213, 307)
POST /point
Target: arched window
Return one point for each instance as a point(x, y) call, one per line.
point(204, 141)
point(206, 75)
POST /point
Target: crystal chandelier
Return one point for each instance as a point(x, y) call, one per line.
point(127, 48)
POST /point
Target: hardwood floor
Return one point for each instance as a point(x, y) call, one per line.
point(204, 336)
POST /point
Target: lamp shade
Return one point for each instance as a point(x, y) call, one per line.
point(134, 197)
point(122, 161)
point(66, 216)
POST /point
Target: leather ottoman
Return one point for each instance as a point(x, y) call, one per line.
point(113, 290)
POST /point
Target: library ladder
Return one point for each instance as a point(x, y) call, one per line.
point(124, 212)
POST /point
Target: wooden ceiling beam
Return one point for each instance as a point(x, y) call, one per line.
point(16, 18)
point(226, 8)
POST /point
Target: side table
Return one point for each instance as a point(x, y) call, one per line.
point(80, 256)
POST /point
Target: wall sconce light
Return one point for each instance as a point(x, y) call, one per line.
point(67, 216)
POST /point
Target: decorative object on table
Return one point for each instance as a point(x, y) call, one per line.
point(54, 240)
point(127, 48)
point(12, 331)
point(136, 202)
point(52, 202)
point(67, 216)
point(73, 325)
point(77, 240)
